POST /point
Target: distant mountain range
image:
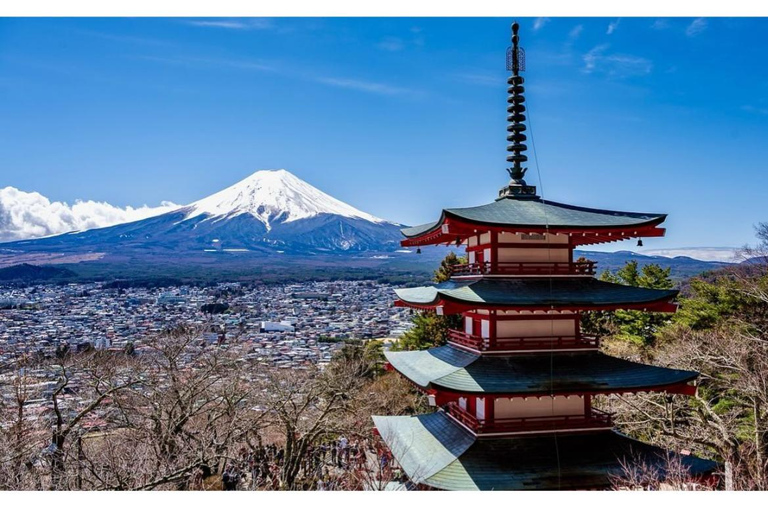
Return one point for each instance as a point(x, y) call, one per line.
point(271, 219)
point(268, 212)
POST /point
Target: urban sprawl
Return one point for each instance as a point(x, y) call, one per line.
point(287, 326)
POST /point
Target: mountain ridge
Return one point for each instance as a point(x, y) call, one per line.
point(269, 211)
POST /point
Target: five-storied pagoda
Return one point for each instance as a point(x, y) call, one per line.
point(515, 385)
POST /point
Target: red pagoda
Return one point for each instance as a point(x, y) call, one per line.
point(515, 385)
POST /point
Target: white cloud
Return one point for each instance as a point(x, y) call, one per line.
point(32, 215)
point(696, 27)
point(391, 44)
point(755, 110)
point(612, 26)
point(539, 22)
point(364, 85)
point(615, 64)
point(480, 78)
point(592, 56)
point(245, 24)
point(724, 254)
point(660, 24)
point(575, 31)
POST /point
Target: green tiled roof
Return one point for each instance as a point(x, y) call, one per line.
point(538, 213)
point(561, 291)
point(434, 450)
point(454, 369)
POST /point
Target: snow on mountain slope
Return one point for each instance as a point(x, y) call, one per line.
point(274, 196)
point(269, 212)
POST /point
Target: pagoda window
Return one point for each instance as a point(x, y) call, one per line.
point(471, 256)
point(480, 408)
point(487, 254)
point(468, 325)
point(506, 408)
point(485, 328)
point(463, 403)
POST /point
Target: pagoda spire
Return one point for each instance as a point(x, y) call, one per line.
point(516, 118)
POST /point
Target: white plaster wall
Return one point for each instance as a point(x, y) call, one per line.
point(545, 327)
point(533, 407)
point(535, 255)
point(518, 238)
point(468, 325)
point(485, 238)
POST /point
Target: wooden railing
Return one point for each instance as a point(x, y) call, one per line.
point(595, 419)
point(523, 342)
point(537, 269)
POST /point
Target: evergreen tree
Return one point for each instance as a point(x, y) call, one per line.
point(431, 330)
point(638, 327)
point(445, 270)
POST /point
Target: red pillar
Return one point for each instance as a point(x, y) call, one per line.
point(494, 252)
point(492, 319)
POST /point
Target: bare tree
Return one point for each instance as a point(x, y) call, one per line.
point(669, 473)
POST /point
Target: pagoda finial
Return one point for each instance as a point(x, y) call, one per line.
point(515, 116)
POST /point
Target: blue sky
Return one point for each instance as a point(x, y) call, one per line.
point(399, 117)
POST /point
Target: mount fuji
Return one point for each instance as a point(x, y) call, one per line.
point(269, 212)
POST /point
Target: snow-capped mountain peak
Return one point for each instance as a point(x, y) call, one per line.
point(274, 196)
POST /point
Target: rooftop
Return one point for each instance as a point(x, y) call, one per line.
point(536, 215)
point(454, 369)
point(434, 450)
point(537, 293)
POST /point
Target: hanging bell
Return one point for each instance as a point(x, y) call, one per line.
point(418, 250)
point(640, 242)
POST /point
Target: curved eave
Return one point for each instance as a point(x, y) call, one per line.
point(451, 306)
point(534, 294)
point(450, 370)
point(450, 226)
point(433, 450)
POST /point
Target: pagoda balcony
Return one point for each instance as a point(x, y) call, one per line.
point(596, 420)
point(573, 268)
point(524, 343)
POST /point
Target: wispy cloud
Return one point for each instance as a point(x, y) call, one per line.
point(592, 56)
point(240, 24)
point(615, 64)
point(286, 71)
point(363, 85)
point(660, 24)
point(199, 62)
point(575, 32)
point(538, 23)
point(612, 26)
point(131, 40)
point(696, 27)
point(418, 36)
point(755, 110)
point(391, 44)
point(480, 78)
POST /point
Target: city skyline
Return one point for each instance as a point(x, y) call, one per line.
point(141, 111)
